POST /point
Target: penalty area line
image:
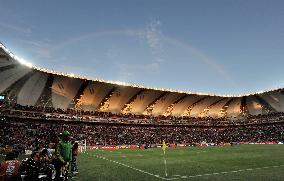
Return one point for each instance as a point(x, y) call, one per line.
point(133, 168)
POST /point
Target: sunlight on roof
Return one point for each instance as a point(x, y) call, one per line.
point(23, 62)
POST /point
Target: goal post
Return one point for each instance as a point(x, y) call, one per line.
point(82, 146)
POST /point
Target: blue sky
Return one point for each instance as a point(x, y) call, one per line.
point(221, 46)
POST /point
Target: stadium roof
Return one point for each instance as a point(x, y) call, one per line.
point(26, 84)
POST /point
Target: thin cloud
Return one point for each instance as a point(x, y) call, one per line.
point(154, 39)
point(128, 73)
point(204, 58)
point(155, 66)
point(36, 44)
point(150, 67)
point(40, 48)
point(16, 28)
point(153, 36)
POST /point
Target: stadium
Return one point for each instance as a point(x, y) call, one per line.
point(121, 127)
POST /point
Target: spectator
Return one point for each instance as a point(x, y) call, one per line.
point(74, 167)
point(9, 168)
point(30, 167)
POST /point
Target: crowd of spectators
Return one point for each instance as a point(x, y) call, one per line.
point(25, 133)
point(25, 127)
point(50, 113)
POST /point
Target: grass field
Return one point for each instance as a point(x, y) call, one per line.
point(241, 162)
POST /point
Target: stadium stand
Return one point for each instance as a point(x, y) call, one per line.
point(37, 104)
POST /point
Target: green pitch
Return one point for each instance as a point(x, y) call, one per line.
point(241, 162)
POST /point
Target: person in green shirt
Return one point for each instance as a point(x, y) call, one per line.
point(63, 154)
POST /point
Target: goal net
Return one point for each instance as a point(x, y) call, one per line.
point(82, 146)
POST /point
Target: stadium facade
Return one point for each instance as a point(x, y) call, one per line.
point(32, 86)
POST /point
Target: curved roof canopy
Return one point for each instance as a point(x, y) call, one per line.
point(28, 85)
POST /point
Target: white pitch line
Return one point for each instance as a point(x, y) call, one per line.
point(133, 168)
point(185, 176)
point(225, 172)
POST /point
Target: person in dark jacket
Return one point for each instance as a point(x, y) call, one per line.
point(30, 167)
point(74, 167)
